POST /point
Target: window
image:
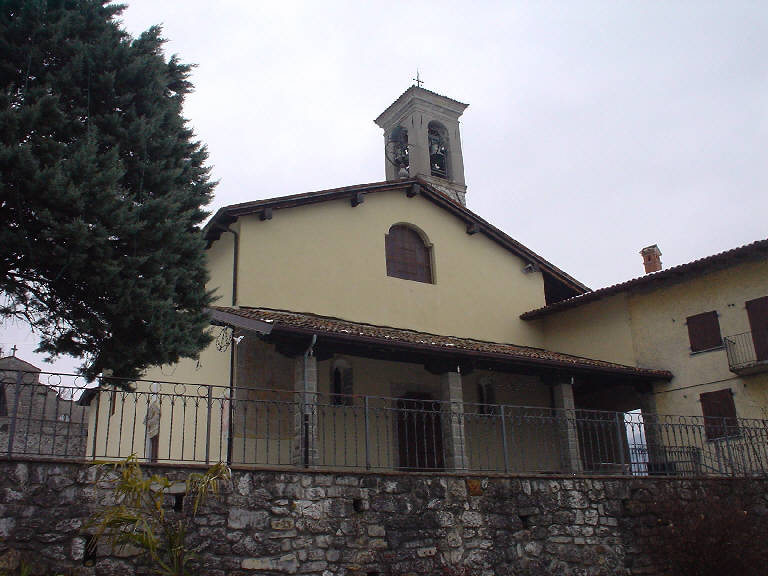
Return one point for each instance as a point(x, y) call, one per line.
point(719, 414)
point(704, 331)
point(397, 149)
point(408, 256)
point(486, 396)
point(3, 401)
point(438, 150)
point(341, 384)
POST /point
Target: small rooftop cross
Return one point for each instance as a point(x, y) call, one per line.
point(13, 350)
point(418, 79)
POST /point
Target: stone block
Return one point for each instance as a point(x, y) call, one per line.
point(286, 564)
point(240, 518)
point(282, 523)
point(376, 531)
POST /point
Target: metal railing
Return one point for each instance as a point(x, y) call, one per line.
point(42, 419)
point(189, 423)
point(747, 352)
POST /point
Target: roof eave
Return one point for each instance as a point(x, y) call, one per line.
point(628, 372)
point(224, 217)
point(750, 252)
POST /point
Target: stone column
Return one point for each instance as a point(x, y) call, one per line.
point(569, 435)
point(453, 421)
point(305, 445)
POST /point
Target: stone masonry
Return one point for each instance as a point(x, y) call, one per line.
point(326, 524)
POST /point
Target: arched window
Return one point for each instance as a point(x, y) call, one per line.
point(486, 396)
point(341, 383)
point(408, 256)
point(438, 150)
point(397, 150)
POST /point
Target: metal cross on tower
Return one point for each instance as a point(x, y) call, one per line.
point(418, 79)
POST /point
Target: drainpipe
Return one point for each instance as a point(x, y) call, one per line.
point(230, 424)
point(307, 355)
point(235, 253)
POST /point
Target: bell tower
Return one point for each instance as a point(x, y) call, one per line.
point(421, 138)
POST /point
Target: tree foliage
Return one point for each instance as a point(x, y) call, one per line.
point(102, 188)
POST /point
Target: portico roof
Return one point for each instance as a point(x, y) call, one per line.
point(335, 330)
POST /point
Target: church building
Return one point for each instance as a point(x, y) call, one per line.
point(386, 325)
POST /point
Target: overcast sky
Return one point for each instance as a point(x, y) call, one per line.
point(594, 128)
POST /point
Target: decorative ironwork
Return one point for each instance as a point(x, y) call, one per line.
point(747, 352)
point(60, 416)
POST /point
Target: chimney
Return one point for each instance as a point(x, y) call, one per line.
point(651, 258)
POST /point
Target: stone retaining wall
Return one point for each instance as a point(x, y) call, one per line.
point(278, 522)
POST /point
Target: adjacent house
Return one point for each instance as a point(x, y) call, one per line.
point(706, 322)
point(387, 326)
point(36, 417)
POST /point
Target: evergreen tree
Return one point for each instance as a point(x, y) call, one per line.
point(102, 189)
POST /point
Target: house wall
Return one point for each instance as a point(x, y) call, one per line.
point(180, 392)
point(264, 420)
point(329, 259)
point(648, 329)
point(598, 330)
point(220, 259)
point(661, 338)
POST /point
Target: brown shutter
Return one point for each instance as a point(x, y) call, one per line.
point(757, 311)
point(719, 414)
point(407, 255)
point(346, 386)
point(704, 331)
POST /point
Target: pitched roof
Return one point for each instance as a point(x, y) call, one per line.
point(345, 330)
point(414, 93)
point(475, 224)
point(754, 251)
point(16, 363)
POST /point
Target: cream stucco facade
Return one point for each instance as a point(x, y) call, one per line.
point(326, 353)
point(647, 327)
point(329, 259)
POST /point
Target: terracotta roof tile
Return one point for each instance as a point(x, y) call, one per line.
point(753, 251)
point(284, 320)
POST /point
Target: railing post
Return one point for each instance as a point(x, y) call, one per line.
point(208, 427)
point(12, 426)
point(504, 443)
point(367, 435)
point(305, 432)
point(731, 459)
point(620, 426)
point(96, 418)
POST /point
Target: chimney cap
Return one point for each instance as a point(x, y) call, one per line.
point(652, 249)
point(651, 258)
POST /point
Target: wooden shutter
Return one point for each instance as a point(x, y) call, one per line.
point(486, 395)
point(407, 255)
point(704, 331)
point(719, 414)
point(757, 311)
point(341, 387)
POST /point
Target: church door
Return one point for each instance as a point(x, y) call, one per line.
point(420, 433)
